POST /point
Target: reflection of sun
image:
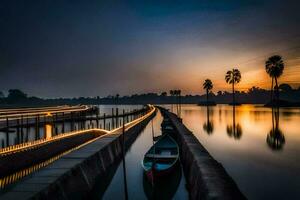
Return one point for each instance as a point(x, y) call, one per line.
point(48, 114)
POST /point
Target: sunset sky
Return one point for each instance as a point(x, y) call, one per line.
point(89, 48)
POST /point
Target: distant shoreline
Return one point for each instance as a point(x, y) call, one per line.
point(294, 105)
point(254, 96)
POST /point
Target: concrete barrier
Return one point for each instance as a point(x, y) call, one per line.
point(74, 175)
point(206, 178)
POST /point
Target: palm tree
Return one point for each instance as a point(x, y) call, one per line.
point(274, 67)
point(233, 76)
point(207, 85)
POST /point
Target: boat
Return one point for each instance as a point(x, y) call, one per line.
point(161, 158)
point(166, 126)
point(156, 138)
point(167, 129)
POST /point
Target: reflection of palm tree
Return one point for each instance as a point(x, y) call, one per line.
point(274, 67)
point(177, 94)
point(208, 126)
point(207, 85)
point(234, 130)
point(275, 138)
point(172, 94)
point(233, 76)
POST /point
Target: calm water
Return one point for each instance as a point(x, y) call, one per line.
point(261, 154)
point(134, 171)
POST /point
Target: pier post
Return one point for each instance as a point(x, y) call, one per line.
point(27, 128)
point(104, 125)
point(112, 118)
point(38, 127)
point(78, 118)
point(72, 121)
point(124, 164)
point(91, 121)
point(84, 120)
point(81, 114)
point(21, 127)
point(117, 117)
point(18, 131)
point(39, 119)
point(81, 120)
point(63, 122)
point(97, 120)
point(124, 117)
point(7, 132)
point(44, 126)
point(55, 123)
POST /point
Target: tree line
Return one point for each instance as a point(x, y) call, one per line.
point(254, 95)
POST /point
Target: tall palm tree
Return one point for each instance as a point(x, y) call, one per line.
point(233, 76)
point(274, 67)
point(207, 85)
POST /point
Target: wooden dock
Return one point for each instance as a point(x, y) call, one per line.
point(73, 174)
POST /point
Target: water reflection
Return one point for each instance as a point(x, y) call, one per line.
point(164, 188)
point(249, 159)
point(275, 138)
point(208, 126)
point(235, 129)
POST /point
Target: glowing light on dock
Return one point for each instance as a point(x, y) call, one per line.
point(34, 144)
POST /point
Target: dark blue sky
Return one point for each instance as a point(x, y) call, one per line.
point(88, 48)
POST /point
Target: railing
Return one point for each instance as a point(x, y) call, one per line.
point(24, 113)
point(34, 144)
